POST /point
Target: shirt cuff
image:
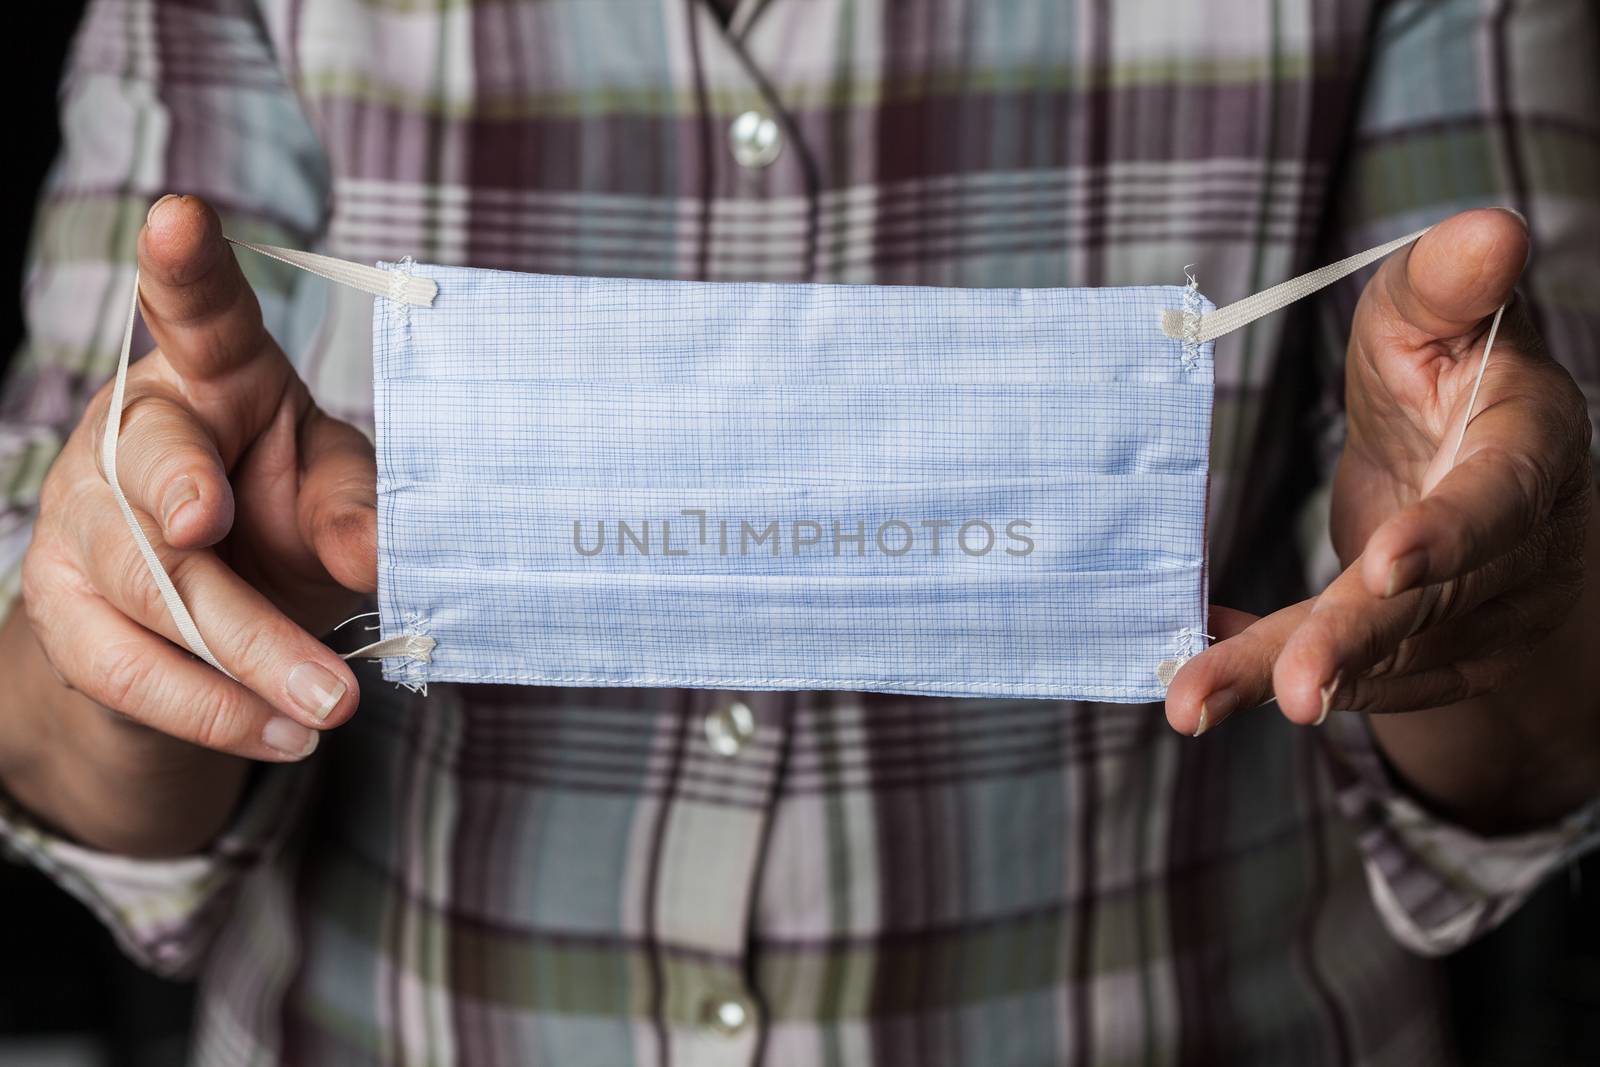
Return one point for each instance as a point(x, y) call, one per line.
point(1436, 885)
point(165, 912)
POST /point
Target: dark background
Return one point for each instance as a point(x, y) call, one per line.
point(68, 997)
point(1527, 995)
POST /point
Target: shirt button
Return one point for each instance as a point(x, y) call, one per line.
point(755, 140)
point(729, 727)
point(726, 1016)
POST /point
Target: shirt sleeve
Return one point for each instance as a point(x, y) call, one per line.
point(164, 913)
point(1436, 885)
point(1466, 104)
point(157, 97)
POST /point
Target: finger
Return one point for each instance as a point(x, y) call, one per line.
point(168, 466)
point(118, 664)
point(1461, 658)
point(1348, 631)
point(1506, 627)
point(1352, 632)
point(338, 502)
point(1456, 274)
point(1432, 688)
point(1523, 452)
point(205, 317)
point(257, 643)
point(1234, 673)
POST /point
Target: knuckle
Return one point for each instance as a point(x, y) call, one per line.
point(152, 445)
point(139, 411)
point(183, 568)
point(1403, 659)
point(250, 646)
point(124, 675)
point(1360, 695)
point(1385, 665)
point(33, 583)
point(1534, 479)
point(1447, 523)
point(141, 596)
point(43, 583)
point(213, 341)
point(217, 719)
point(1437, 603)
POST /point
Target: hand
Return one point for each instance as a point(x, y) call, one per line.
point(261, 507)
point(1456, 573)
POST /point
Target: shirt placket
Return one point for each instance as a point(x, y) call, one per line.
point(758, 172)
point(711, 838)
point(717, 810)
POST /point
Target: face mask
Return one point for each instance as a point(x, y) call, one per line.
point(913, 490)
point(951, 492)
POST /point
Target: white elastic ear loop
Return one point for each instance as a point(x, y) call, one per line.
point(1258, 305)
point(393, 285)
point(1225, 320)
point(1472, 401)
point(108, 463)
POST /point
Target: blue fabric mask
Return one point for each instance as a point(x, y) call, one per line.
point(937, 491)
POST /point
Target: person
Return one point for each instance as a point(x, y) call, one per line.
point(520, 875)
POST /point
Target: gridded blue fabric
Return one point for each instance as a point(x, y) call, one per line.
point(938, 491)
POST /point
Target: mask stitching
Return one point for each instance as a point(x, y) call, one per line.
point(1191, 319)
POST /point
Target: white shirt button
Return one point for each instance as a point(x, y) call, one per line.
point(727, 1017)
point(729, 727)
point(755, 140)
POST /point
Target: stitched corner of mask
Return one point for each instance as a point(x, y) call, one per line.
point(1191, 318)
point(1186, 323)
point(1187, 643)
point(400, 275)
point(410, 669)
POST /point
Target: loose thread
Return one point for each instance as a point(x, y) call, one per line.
point(353, 618)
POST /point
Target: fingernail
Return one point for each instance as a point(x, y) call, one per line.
point(1215, 708)
point(1405, 572)
point(315, 689)
point(178, 494)
point(288, 737)
point(1328, 692)
point(148, 215)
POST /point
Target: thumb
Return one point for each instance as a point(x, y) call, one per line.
point(338, 502)
point(1456, 274)
point(196, 301)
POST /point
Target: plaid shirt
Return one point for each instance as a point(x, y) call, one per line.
point(604, 877)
